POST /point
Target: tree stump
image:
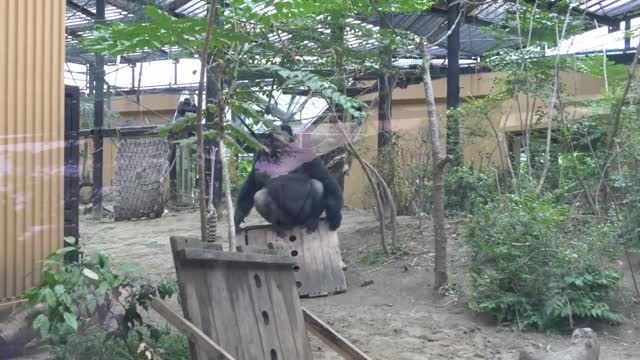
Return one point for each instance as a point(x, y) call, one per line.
point(584, 346)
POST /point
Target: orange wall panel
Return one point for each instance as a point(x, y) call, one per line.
point(31, 139)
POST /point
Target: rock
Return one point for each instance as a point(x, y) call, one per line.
point(584, 346)
point(366, 283)
point(17, 332)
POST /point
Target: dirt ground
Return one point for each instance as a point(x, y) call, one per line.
point(396, 317)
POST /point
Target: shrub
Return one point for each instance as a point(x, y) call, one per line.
point(90, 293)
point(465, 189)
point(531, 266)
point(242, 171)
point(96, 345)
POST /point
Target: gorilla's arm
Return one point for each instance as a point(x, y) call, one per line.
point(245, 198)
point(332, 194)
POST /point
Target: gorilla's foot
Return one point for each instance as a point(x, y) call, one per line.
point(312, 225)
point(280, 232)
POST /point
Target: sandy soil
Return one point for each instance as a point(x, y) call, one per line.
point(396, 317)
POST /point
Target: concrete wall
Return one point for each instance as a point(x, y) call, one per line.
point(31, 139)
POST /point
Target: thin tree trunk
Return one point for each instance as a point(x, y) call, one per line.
point(374, 189)
point(439, 162)
point(227, 195)
point(611, 136)
point(554, 94)
point(393, 216)
point(199, 134)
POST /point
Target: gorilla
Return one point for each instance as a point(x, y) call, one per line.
point(185, 106)
point(289, 187)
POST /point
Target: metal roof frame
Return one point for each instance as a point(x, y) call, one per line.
point(432, 23)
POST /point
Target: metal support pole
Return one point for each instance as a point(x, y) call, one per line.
point(133, 76)
point(453, 80)
point(98, 76)
point(384, 98)
point(213, 86)
point(627, 39)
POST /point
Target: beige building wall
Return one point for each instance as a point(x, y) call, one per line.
point(410, 122)
point(32, 38)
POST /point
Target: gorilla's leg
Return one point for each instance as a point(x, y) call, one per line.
point(313, 206)
point(269, 210)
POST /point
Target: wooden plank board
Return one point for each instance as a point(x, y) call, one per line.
point(311, 251)
point(281, 314)
point(220, 302)
point(263, 308)
point(333, 259)
point(187, 293)
point(286, 294)
point(219, 257)
point(318, 269)
point(331, 337)
point(238, 281)
point(192, 332)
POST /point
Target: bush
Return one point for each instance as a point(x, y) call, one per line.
point(465, 189)
point(243, 170)
point(88, 294)
point(96, 345)
point(533, 267)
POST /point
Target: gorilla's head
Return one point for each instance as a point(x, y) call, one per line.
point(279, 144)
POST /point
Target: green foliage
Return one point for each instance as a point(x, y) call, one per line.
point(320, 87)
point(80, 295)
point(533, 266)
point(95, 344)
point(465, 189)
point(542, 21)
point(159, 31)
point(377, 256)
point(243, 170)
point(594, 65)
point(403, 170)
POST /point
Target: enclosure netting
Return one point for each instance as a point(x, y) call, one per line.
point(139, 182)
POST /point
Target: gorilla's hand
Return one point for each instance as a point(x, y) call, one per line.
point(237, 220)
point(334, 221)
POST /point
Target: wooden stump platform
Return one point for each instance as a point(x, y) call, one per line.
point(318, 261)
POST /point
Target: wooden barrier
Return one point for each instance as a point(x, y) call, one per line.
point(245, 302)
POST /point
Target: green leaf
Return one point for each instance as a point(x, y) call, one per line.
point(42, 324)
point(49, 277)
point(71, 320)
point(66, 250)
point(70, 240)
point(59, 290)
point(90, 274)
point(50, 296)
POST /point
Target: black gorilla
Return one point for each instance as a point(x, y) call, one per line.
point(185, 106)
point(290, 187)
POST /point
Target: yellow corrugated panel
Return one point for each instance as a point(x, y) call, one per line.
point(31, 139)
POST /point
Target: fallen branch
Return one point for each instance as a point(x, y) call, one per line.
point(331, 337)
point(189, 330)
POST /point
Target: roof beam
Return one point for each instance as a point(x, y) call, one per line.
point(175, 5)
point(81, 9)
point(125, 5)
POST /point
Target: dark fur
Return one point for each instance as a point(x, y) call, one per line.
point(292, 194)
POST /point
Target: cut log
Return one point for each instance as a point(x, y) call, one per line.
point(584, 346)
